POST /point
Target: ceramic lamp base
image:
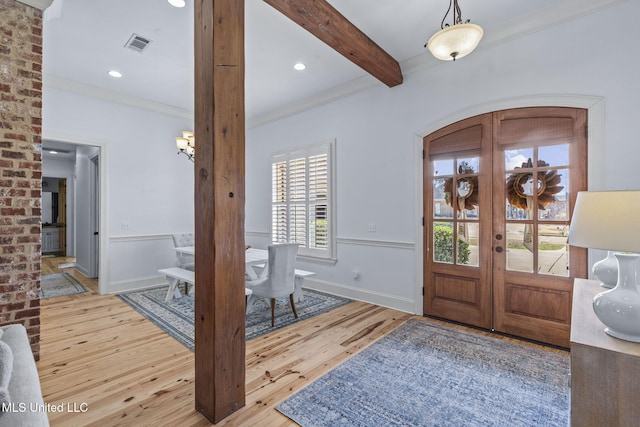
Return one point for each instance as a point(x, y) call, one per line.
point(607, 271)
point(619, 308)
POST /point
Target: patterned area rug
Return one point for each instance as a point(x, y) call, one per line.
point(423, 374)
point(58, 285)
point(176, 316)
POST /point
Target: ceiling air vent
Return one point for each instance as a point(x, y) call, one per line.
point(137, 42)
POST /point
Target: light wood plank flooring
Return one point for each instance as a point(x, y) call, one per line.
point(96, 350)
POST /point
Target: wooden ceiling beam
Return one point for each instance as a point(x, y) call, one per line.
point(326, 23)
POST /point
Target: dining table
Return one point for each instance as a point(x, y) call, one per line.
point(253, 257)
point(257, 258)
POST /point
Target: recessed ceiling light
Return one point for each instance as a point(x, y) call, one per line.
point(299, 66)
point(177, 3)
point(114, 73)
point(53, 152)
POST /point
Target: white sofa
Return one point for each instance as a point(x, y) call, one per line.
point(21, 403)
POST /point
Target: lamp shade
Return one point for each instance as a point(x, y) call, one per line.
point(455, 41)
point(606, 220)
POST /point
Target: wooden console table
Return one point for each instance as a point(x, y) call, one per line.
point(605, 371)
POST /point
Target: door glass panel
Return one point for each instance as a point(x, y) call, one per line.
point(468, 249)
point(443, 242)
point(518, 202)
point(443, 167)
point(555, 155)
point(519, 247)
point(553, 251)
point(467, 193)
point(442, 198)
point(554, 199)
point(517, 158)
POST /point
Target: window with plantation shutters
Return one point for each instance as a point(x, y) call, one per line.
point(302, 206)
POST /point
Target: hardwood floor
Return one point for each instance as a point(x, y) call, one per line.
point(115, 368)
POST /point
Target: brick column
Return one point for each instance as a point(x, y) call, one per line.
point(20, 166)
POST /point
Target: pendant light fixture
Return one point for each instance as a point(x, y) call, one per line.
point(456, 40)
point(186, 144)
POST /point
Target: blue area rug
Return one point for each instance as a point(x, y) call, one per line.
point(423, 374)
point(58, 285)
point(176, 316)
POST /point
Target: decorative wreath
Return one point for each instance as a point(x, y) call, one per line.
point(548, 185)
point(471, 184)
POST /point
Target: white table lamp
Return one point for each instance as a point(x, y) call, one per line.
point(609, 220)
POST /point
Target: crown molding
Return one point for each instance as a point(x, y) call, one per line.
point(54, 82)
point(558, 13)
point(325, 97)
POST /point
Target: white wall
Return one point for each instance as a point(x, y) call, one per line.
point(376, 132)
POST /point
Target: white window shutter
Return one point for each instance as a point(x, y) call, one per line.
point(302, 200)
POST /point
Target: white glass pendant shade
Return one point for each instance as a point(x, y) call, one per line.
point(607, 270)
point(455, 42)
point(177, 3)
point(619, 308)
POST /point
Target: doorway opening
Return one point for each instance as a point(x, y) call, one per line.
point(72, 226)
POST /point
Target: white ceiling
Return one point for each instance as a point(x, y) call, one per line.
point(87, 40)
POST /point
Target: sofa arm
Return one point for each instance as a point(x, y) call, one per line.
point(27, 406)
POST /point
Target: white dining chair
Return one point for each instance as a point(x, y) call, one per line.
point(180, 240)
point(277, 279)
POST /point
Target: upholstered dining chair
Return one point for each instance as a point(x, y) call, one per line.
point(180, 240)
point(277, 279)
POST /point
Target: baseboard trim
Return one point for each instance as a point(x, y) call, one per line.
point(136, 285)
point(383, 300)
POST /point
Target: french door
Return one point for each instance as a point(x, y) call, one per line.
point(499, 191)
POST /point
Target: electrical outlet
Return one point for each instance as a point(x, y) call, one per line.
point(124, 225)
point(372, 227)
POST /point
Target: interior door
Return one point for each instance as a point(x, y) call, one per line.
point(62, 214)
point(534, 266)
point(496, 252)
point(94, 248)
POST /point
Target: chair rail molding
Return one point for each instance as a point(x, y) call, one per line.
point(379, 243)
point(350, 241)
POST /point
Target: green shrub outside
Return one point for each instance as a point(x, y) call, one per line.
point(443, 245)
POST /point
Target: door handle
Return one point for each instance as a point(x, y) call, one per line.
point(499, 249)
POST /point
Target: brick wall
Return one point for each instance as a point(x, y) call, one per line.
point(20, 166)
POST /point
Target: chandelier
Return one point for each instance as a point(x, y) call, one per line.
point(456, 40)
point(187, 144)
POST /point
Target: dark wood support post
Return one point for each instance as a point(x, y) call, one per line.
point(219, 207)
